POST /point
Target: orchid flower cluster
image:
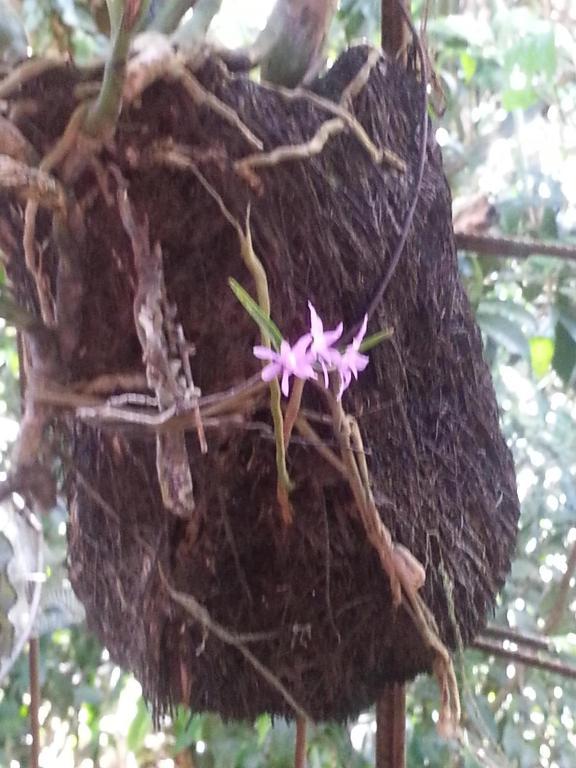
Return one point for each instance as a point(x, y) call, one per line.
point(314, 351)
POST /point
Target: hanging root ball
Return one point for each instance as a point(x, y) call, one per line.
point(308, 601)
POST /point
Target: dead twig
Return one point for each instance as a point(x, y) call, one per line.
point(377, 533)
point(525, 657)
point(306, 150)
point(28, 70)
point(520, 638)
point(52, 160)
point(153, 321)
point(145, 70)
point(359, 82)
point(14, 144)
point(31, 183)
point(513, 247)
point(353, 125)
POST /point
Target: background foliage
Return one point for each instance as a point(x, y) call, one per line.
point(509, 132)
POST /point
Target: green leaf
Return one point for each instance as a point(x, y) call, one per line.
point(519, 99)
point(139, 728)
point(566, 313)
point(541, 355)
point(188, 730)
point(504, 332)
point(564, 360)
point(263, 725)
point(376, 338)
point(533, 50)
point(266, 325)
point(510, 309)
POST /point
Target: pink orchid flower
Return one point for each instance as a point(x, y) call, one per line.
point(351, 361)
point(290, 361)
point(322, 342)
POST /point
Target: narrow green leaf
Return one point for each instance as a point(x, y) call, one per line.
point(266, 324)
point(514, 311)
point(504, 332)
point(376, 338)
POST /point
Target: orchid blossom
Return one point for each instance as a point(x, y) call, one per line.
point(290, 361)
point(352, 361)
point(322, 342)
point(315, 348)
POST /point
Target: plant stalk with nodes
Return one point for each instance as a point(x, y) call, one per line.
point(125, 16)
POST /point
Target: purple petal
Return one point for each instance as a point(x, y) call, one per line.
point(361, 333)
point(345, 379)
point(264, 353)
point(325, 372)
point(332, 336)
point(304, 371)
point(333, 357)
point(285, 383)
point(271, 371)
point(300, 348)
point(316, 325)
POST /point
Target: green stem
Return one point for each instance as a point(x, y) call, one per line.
point(263, 295)
point(103, 115)
point(193, 32)
point(278, 419)
point(170, 15)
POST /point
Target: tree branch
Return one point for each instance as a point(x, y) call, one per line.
point(506, 633)
point(525, 657)
point(391, 727)
point(513, 247)
point(300, 747)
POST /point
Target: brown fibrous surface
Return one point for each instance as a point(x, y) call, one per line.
point(324, 228)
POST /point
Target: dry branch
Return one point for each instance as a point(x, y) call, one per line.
point(525, 657)
point(517, 248)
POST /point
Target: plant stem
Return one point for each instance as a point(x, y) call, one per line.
point(170, 15)
point(293, 409)
point(258, 273)
point(102, 116)
point(193, 32)
point(300, 748)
